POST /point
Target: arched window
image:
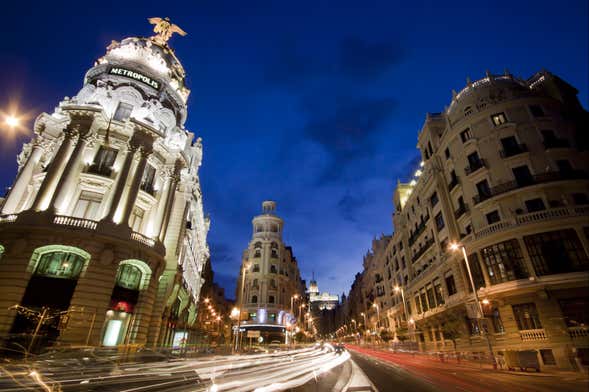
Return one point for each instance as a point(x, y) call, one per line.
point(64, 265)
point(254, 299)
point(258, 245)
point(129, 277)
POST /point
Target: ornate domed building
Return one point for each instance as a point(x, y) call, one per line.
point(103, 235)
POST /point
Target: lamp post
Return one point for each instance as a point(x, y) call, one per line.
point(454, 247)
point(246, 266)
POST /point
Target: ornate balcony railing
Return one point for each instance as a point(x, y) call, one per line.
point(8, 218)
point(75, 222)
point(578, 332)
point(533, 217)
point(420, 229)
point(422, 250)
point(514, 150)
point(135, 236)
point(530, 335)
point(533, 180)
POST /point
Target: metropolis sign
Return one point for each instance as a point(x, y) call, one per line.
point(135, 75)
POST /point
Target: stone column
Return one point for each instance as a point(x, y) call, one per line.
point(136, 183)
point(174, 179)
point(121, 181)
point(54, 170)
point(64, 189)
point(23, 179)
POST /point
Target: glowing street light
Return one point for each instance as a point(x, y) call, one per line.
point(454, 246)
point(12, 121)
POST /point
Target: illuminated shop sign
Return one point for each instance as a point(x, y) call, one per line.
point(135, 75)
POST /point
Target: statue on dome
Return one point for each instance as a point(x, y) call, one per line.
point(164, 30)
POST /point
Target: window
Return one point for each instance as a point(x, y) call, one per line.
point(504, 262)
point(438, 292)
point(255, 283)
point(575, 312)
point(522, 175)
point(429, 148)
point(483, 189)
point(417, 304)
point(511, 147)
point(450, 285)
point(272, 317)
point(253, 315)
point(103, 161)
point(256, 268)
point(123, 111)
point(439, 221)
point(475, 270)
point(430, 296)
point(434, 199)
point(148, 179)
point(271, 299)
point(447, 153)
point(534, 205)
point(87, 206)
point(465, 135)
point(580, 198)
point(498, 119)
point(129, 277)
point(259, 229)
point(474, 163)
point(254, 299)
point(258, 245)
point(493, 217)
point(556, 252)
point(453, 180)
point(536, 111)
point(273, 269)
point(136, 219)
point(473, 326)
point(496, 321)
point(63, 265)
point(467, 111)
point(526, 316)
point(403, 264)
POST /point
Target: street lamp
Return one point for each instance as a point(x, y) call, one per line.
point(246, 266)
point(454, 246)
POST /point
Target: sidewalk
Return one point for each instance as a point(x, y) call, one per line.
point(435, 361)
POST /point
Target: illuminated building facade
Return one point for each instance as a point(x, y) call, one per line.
point(272, 287)
point(505, 174)
point(104, 224)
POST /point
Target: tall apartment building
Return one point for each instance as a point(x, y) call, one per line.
point(103, 235)
point(504, 174)
point(272, 288)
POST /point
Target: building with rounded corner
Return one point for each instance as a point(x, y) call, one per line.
point(504, 174)
point(272, 290)
point(103, 233)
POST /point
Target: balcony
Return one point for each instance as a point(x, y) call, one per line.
point(578, 332)
point(462, 209)
point(80, 223)
point(420, 229)
point(533, 217)
point(474, 166)
point(422, 250)
point(532, 335)
point(556, 143)
point(104, 171)
point(533, 180)
point(513, 150)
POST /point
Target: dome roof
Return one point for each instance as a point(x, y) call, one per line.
point(158, 59)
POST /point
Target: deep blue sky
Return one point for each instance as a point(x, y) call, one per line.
point(315, 104)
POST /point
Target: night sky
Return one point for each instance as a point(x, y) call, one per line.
point(315, 105)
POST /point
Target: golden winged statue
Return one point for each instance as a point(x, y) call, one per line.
point(164, 30)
